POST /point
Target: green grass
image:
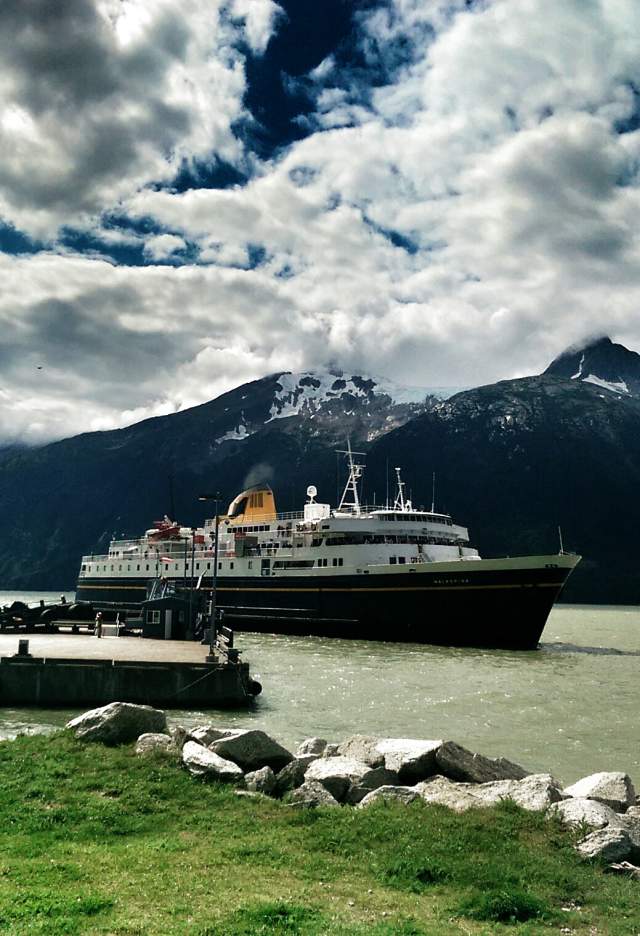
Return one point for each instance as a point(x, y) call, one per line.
point(97, 841)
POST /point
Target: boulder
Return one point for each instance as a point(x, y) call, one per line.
point(609, 844)
point(444, 792)
point(458, 763)
point(347, 778)
point(612, 788)
point(261, 781)
point(311, 746)
point(535, 793)
point(150, 743)
point(118, 723)
point(312, 793)
point(179, 735)
point(331, 750)
point(377, 777)
point(201, 762)
point(251, 749)
point(362, 748)
point(411, 759)
point(634, 811)
point(631, 825)
point(390, 794)
point(292, 775)
point(578, 810)
point(207, 734)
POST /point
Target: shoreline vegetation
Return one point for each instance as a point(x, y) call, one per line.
point(120, 839)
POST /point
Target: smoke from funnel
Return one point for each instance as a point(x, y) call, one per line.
point(262, 473)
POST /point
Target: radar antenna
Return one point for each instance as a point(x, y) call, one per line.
point(312, 491)
point(350, 499)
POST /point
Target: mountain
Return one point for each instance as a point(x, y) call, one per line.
point(69, 497)
point(600, 362)
point(517, 459)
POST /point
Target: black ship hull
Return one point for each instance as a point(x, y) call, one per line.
point(490, 603)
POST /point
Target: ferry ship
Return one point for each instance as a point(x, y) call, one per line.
point(390, 572)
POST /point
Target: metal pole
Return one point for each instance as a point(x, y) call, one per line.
point(214, 586)
point(193, 557)
point(185, 563)
point(214, 579)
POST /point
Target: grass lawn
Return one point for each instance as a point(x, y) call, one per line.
point(98, 841)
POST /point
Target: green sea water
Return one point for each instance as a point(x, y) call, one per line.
point(569, 708)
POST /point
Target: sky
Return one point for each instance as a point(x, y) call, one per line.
point(195, 194)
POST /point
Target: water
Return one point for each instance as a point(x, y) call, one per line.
point(570, 708)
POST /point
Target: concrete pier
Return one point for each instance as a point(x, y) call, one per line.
point(71, 670)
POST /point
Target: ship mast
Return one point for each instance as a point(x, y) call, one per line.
point(399, 503)
point(350, 499)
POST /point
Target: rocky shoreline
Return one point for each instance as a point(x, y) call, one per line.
point(362, 770)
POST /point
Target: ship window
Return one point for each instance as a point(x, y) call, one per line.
point(250, 564)
point(137, 568)
point(84, 568)
point(335, 561)
point(112, 568)
point(231, 565)
point(128, 567)
point(166, 568)
point(340, 561)
point(197, 565)
point(120, 568)
point(208, 565)
point(402, 560)
point(147, 567)
point(393, 560)
point(153, 617)
point(219, 566)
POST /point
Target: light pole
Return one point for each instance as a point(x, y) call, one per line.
point(214, 584)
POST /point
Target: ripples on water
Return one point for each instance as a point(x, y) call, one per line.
point(570, 707)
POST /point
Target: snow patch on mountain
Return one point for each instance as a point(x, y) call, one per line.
point(240, 432)
point(619, 387)
point(308, 391)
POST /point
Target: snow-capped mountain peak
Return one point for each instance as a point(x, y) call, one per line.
point(601, 362)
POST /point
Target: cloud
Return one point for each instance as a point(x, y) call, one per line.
point(462, 206)
point(100, 98)
point(162, 246)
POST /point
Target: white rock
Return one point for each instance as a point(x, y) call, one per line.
point(312, 793)
point(633, 811)
point(118, 723)
point(362, 748)
point(311, 746)
point(537, 792)
point(149, 743)
point(251, 749)
point(390, 794)
point(207, 734)
point(610, 844)
point(578, 810)
point(201, 762)
point(340, 774)
point(413, 760)
point(613, 788)
point(261, 781)
point(444, 792)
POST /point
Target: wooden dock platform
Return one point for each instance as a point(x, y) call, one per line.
point(71, 670)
